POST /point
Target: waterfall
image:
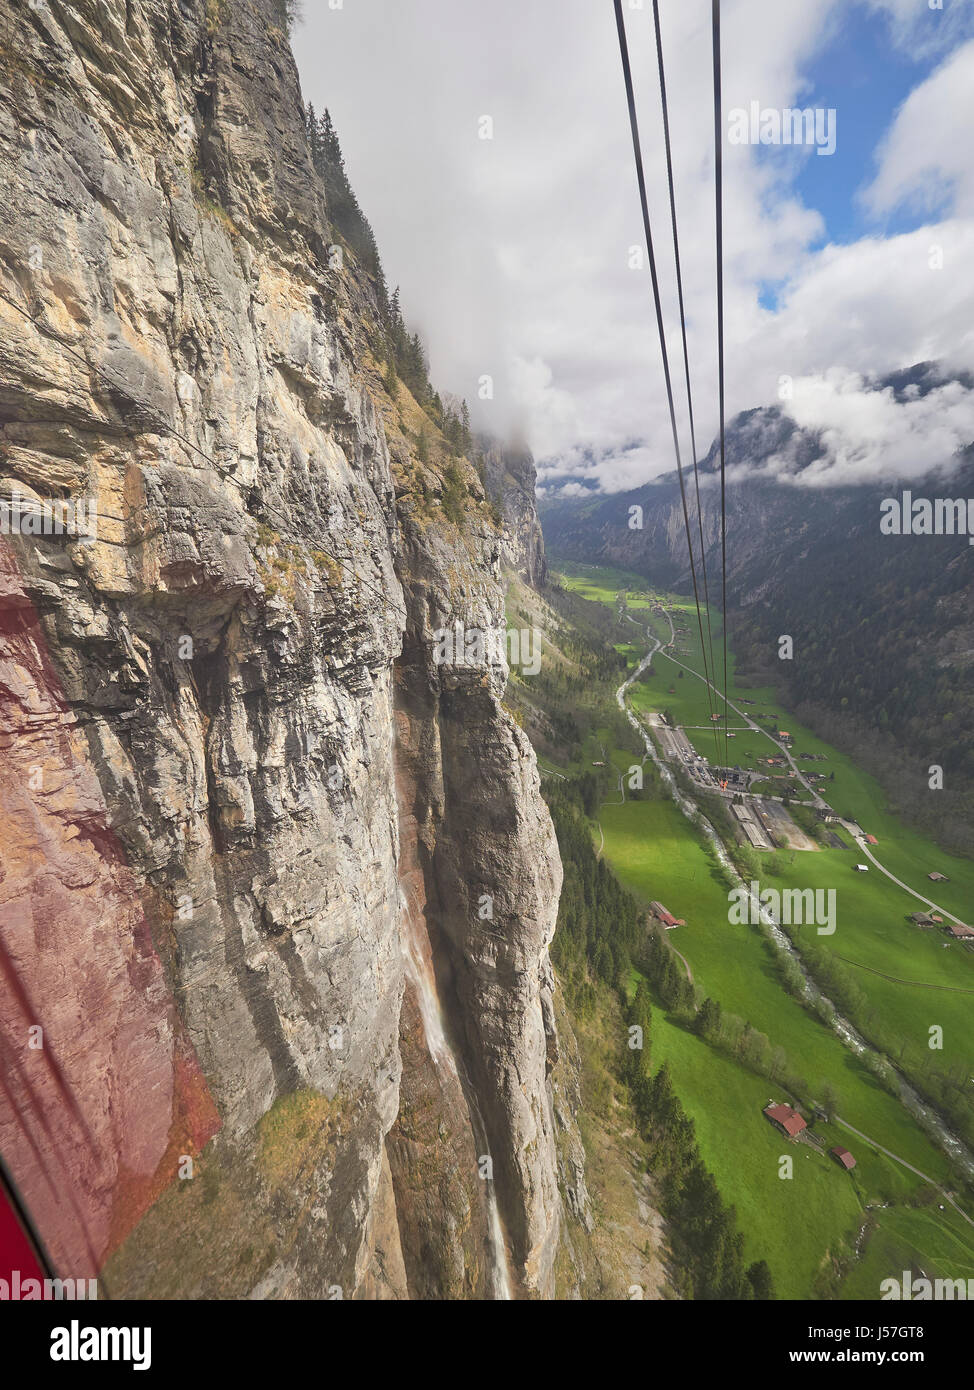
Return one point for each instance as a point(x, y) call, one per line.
point(420, 976)
point(419, 972)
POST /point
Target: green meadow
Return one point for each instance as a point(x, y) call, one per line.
point(873, 931)
point(798, 1223)
point(735, 965)
point(601, 584)
point(912, 1238)
point(792, 1222)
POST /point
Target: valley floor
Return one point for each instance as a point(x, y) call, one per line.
point(823, 1231)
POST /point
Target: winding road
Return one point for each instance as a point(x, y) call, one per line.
point(818, 801)
point(860, 841)
point(930, 1121)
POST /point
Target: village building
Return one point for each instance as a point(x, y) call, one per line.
point(844, 1157)
point(667, 918)
point(786, 1119)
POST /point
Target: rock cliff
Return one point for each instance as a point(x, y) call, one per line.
point(510, 478)
point(334, 868)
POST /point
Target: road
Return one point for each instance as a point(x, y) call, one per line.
point(818, 801)
point(903, 1164)
point(860, 841)
point(684, 960)
point(816, 796)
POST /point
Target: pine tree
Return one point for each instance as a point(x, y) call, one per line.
point(759, 1277)
point(708, 1019)
point(465, 438)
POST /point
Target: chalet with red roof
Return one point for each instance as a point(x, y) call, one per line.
point(844, 1157)
point(786, 1119)
point(667, 918)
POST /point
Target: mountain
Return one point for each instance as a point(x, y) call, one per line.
point(277, 886)
point(881, 624)
point(510, 478)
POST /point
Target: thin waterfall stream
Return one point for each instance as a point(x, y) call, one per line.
point(419, 972)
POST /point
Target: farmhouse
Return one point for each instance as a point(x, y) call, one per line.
point(784, 1118)
point(960, 933)
point(844, 1157)
point(668, 920)
point(871, 840)
point(860, 868)
point(938, 878)
point(922, 919)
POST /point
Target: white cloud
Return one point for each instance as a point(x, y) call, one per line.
point(868, 435)
point(922, 27)
point(512, 253)
point(924, 162)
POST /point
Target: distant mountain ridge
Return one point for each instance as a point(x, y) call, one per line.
point(883, 625)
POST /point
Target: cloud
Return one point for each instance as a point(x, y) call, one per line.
point(614, 469)
point(921, 28)
point(923, 162)
point(514, 254)
point(867, 435)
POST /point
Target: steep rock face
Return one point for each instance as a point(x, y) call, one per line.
point(510, 478)
point(183, 349)
point(491, 879)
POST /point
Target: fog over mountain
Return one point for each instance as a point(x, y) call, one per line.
point(514, 253)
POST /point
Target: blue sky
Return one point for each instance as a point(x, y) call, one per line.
point(514, 254)
point(866, 77)
point(862, 73)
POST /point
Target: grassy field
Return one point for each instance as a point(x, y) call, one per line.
point(924, 1238)
point(873, 930)
point(735, 966)
point(602, 584)
point(853, 793)
point(653, 849)
point(794, 1223)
